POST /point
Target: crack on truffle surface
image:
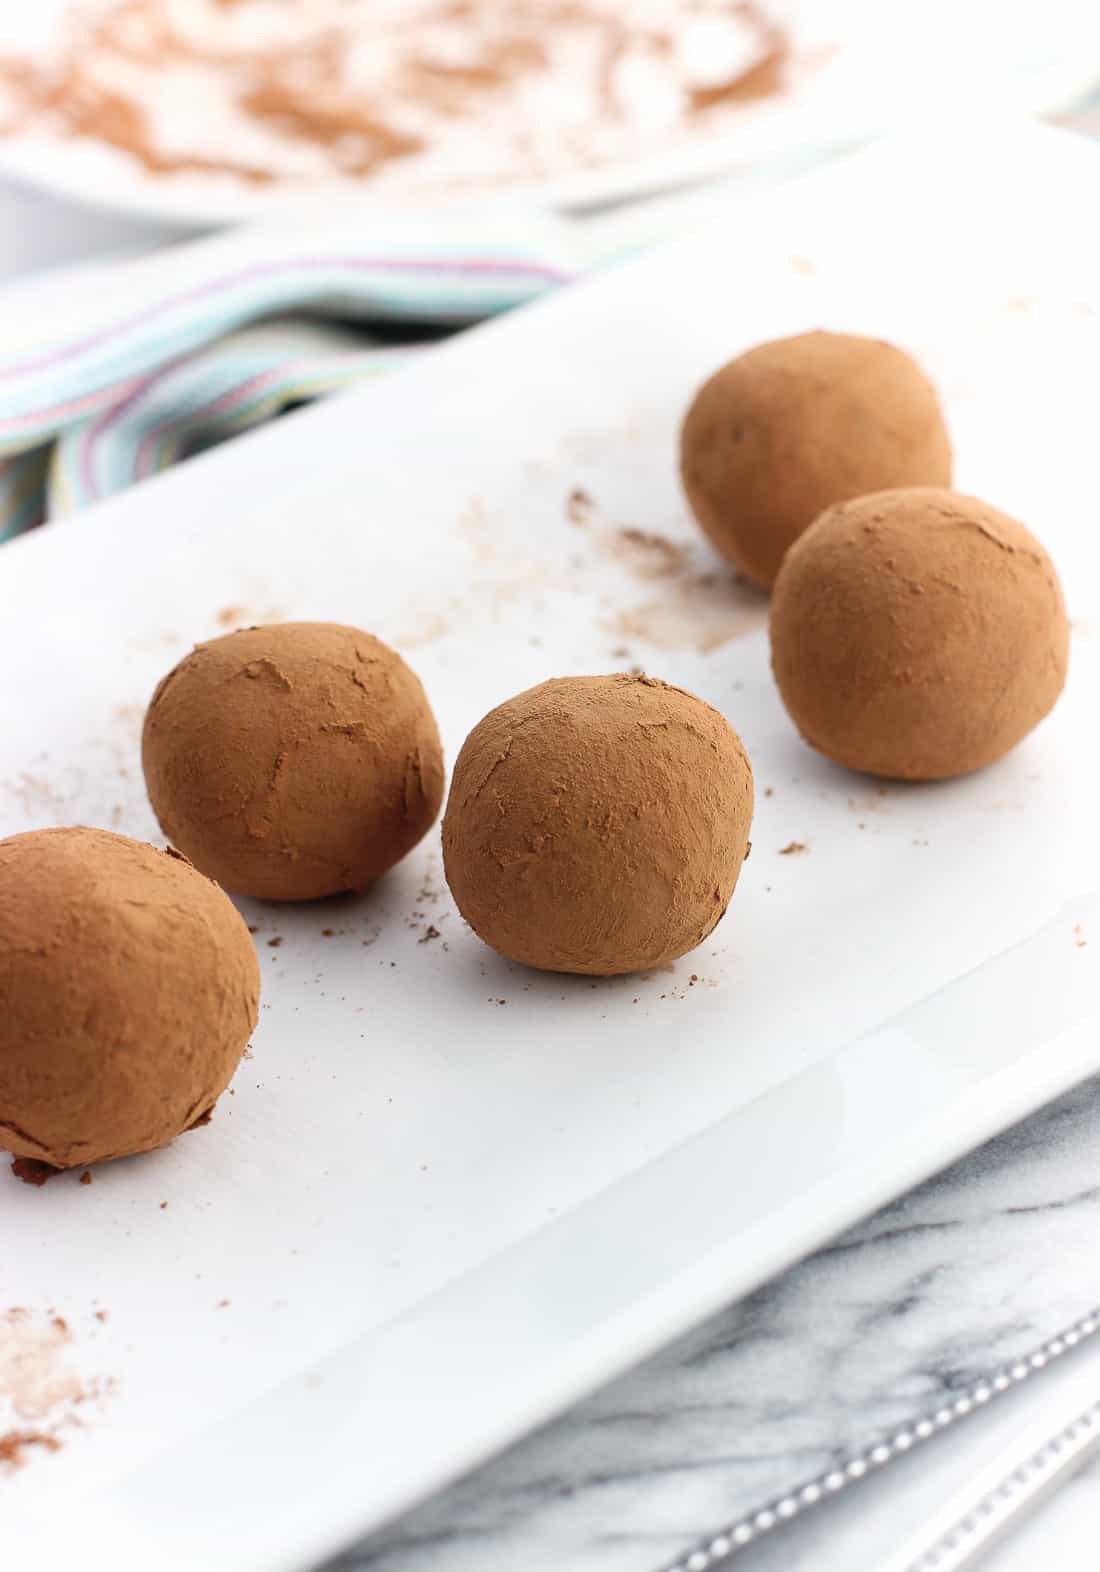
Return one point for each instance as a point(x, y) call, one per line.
point(265, 668)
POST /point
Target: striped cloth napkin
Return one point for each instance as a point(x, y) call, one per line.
point(110, 373)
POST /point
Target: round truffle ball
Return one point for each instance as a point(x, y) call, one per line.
point(293, 761)
point(790, 427)
point(130, 990)
point(917, 634)
point(597, 824)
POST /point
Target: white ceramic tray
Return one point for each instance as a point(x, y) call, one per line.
point(448, 1195)
point(861, 69)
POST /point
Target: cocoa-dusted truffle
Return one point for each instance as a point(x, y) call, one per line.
point(790, 427)
point(130, 990)
point(597, 824)
point(917, 633)
point(293, 761)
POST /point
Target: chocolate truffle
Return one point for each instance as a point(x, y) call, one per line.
point(917, 633)
point(597, 824)
point(790, 427)
point(130, 990)
point(293, 761)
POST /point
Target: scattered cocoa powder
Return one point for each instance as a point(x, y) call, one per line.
point(648, 554)
point(699, 611)
point(15, 1443)
point(34, 1378)
point(763, 79)
point(792, 848)
point(32, 1171)
point(578, 506)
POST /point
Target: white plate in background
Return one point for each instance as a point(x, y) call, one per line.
point(875, 67)
point(426, 1219)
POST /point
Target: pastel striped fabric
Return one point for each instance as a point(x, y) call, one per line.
point(110, 374)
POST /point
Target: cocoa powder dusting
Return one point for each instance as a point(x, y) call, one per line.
point(578, 506)
point(14, 1444)
point(647, 554)
point(115, 1041)
point(289, 719)
point(34, 1378)
point(764, 447)
point(941, 619)
point(450, 92)
point(41, 1395)
point(699, 611)
point(761, 80)
point(576, 880)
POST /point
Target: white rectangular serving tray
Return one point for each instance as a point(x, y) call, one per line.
point(448, 1195)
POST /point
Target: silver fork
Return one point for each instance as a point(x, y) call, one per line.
point(1027, 1470)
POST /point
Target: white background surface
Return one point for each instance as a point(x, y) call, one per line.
point(43, 233)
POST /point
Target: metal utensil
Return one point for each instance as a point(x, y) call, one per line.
point(719, 1548)
point(1025, 1474)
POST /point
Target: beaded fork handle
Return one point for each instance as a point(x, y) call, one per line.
point(974, 1528)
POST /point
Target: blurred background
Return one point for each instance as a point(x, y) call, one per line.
point(180, 115)
point(255, 202)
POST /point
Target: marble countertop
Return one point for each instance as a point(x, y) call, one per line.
point(953, 1283)
point(950, 1284)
